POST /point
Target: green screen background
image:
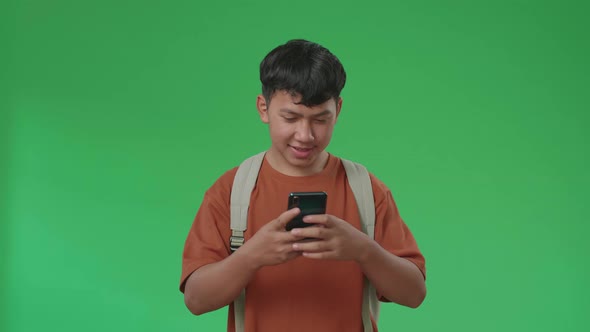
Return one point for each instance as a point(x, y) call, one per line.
point(116, 116)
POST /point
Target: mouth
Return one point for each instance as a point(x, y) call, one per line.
point(302, 149)
point(301, 152)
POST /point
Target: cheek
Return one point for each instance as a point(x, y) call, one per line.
point(279, 130)
point(323, 132)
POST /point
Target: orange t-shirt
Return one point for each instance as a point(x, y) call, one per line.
point(302, 294)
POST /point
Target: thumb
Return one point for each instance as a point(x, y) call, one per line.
point(285, 217)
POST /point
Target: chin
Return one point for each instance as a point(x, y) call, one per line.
point(298, 162)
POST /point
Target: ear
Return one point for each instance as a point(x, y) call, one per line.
point(262, 107)
point(338, 107)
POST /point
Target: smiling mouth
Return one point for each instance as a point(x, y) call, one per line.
point(300, 149)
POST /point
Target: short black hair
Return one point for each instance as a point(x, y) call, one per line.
point(303, 68)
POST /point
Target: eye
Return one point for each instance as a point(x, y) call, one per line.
point(290, 119)
point(320, 120)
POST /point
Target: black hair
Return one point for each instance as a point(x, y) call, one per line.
point(303, 68)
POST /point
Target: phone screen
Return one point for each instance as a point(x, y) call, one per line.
point(309, 203)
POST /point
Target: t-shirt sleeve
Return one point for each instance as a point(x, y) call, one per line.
point(208, 238)
point(391, 232)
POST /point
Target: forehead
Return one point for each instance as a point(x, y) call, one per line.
point(284, 101)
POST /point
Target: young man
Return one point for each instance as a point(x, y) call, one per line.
point(295, 285)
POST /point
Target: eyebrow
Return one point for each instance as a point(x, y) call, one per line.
point(291, 112)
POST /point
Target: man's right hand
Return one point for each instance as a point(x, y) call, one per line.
point(272, 244)
point(215, 285)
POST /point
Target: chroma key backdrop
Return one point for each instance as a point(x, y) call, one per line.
point(116, 116)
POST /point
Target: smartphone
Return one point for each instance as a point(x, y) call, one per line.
point(309, 203)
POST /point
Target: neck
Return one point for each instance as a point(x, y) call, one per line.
point(281, 165)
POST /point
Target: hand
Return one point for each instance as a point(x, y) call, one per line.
point(272, 244)
point(334, 239)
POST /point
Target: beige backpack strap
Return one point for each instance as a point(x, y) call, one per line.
point(360, 183)
point(244, 182)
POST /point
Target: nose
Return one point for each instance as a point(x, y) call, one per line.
point(304, 132)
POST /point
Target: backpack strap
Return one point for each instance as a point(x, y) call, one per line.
point(360, 183)
point(244, 182)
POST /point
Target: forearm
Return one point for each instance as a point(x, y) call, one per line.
point(218, 284)
point(395, 278)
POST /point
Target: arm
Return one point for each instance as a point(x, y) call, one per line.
point(395, 278)
point(215, 285)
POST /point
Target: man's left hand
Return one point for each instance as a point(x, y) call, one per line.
point(331, 238)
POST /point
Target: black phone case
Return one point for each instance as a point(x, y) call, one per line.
point(309, 203)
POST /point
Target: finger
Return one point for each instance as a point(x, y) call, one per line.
point(318, 219)
point(293, 255)
point(319, 255)
point(311, 246)
point(289, 237)
point(312, 232)
point(285, 217)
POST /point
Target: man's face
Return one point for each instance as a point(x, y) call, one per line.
point(299, 133)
